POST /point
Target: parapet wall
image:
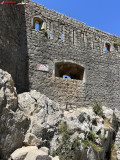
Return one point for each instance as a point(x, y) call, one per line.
point(80, 45)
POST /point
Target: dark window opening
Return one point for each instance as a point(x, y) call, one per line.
point(69, 70)
point(116, 47)
point(107, 46)
point(37, 23)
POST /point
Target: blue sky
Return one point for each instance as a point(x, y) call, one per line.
point(101, 14)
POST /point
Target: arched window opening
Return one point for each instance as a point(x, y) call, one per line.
point(69, 70)
point(107, 47)
point(37, 23)
point(116, 47)
point(37, 26)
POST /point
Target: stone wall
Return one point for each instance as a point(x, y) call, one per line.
point(13, 44)
point(86, 47)
point(22, 48)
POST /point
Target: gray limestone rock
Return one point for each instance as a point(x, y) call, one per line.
point(13, 123)
point(21, 153)
point(44, 115)
point(37, 155)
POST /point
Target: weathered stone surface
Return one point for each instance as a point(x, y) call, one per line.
point(13, 123)
point(82, 132)
point(44, 115)
point(55, 158)
point(31, 139)
point(93, 133)
point(13, 46)
point(37, 155)
point(21, 153)
point(22, 48)
point(45, 149)
point(82, 45)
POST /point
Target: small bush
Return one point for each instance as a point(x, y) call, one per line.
point(66, 149)
point(91, 136)
point(95, 146)
point(100, 135)
point(97, 108)
point(87, 143)
point(63, 128)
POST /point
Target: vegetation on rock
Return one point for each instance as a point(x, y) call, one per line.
point(97, 108)
point(113, 152)
point(67, 149)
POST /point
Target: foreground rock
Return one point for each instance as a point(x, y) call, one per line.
point(34, 121)
point(13, 124)
point(37, 155)
point(31, 153)
point(44, 115)
point(21, 153)
point(84, 135)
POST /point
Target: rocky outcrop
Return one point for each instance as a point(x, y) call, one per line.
point(44, 115)
point(13, 123)
point(85, 134)
point(30, 122)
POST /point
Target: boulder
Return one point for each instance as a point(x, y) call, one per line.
point(21, 153)
point(37, 155)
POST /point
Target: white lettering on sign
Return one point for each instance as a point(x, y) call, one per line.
point(42, 67)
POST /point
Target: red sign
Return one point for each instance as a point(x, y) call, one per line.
point(41, 67)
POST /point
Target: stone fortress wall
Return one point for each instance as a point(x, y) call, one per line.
point(13, 44)
point(68, 47)
point(80, 44)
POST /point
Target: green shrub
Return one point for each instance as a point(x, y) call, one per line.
point(87, 142)
point(66, 149)
point(90, 141)
point(91, 136)
point(100, 135)
point(97, 108)
point(95, 146)
point(63, 128)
